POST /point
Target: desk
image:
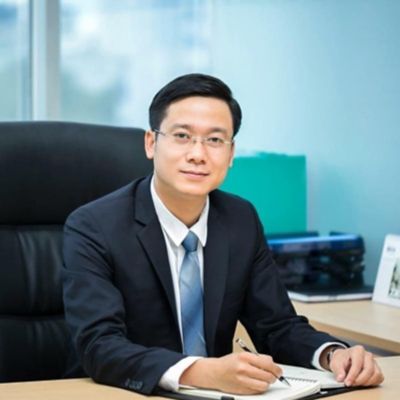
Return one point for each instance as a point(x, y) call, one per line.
point(364, 322)
point(86, 389)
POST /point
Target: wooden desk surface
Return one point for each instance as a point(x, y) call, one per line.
point(86, 389)
point(366, 322)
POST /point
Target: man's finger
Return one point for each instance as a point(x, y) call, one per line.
point(376, 378)
point(357, 362)
point(259, 374)
point(340, 364)
point(257, 386)
point(367, 371)
point(266, 363)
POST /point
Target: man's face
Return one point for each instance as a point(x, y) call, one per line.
point(194, 169)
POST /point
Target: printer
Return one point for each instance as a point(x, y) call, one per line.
point(321, 268)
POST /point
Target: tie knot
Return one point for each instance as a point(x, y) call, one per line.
point(190, 242)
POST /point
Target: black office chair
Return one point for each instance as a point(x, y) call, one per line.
point(47, 169)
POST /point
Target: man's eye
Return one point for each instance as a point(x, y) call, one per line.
point(181, 136)
point(215, 140)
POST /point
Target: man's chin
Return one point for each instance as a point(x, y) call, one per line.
point(195, 191)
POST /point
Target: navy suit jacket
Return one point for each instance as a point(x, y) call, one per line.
point(119, 297)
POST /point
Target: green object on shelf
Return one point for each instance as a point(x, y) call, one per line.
point(276, 185)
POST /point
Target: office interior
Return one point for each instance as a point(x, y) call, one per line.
point(315, 78)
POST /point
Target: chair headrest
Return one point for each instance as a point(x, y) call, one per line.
point(47, 169)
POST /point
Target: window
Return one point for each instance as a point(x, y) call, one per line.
point(116, 54)
point(14, 60)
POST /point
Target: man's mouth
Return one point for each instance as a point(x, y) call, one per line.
point(195, 173)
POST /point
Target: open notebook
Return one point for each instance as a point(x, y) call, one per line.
point(304, 382)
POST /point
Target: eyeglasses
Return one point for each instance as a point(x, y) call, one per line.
point(184, 139)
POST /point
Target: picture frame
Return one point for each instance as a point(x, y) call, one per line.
point(387, 284)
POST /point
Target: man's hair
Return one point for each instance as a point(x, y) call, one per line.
point(192, 85)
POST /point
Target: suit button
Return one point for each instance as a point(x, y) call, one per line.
point(132, 384)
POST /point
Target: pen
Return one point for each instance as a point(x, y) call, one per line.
point(243, 345)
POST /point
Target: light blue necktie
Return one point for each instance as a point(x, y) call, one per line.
point(191, 294)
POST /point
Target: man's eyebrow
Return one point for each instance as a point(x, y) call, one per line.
point(183, 126)
point(188, 127)
point(218, 129)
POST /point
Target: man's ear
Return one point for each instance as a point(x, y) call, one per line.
point(149, 143)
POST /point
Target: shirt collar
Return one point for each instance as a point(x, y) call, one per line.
point(175, 228)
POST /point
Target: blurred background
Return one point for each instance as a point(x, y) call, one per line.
point(318, 78)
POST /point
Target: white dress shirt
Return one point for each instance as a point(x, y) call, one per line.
point(174, 232)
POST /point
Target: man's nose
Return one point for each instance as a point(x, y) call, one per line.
point(197, 150)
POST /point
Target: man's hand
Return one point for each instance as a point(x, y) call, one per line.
point(239, 373)
point(355, 367)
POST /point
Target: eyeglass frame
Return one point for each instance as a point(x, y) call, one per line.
point(194, 139)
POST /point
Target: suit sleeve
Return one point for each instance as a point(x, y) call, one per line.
point(95, 313)
point(269, 316)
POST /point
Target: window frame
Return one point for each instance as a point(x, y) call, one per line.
point(45, 59)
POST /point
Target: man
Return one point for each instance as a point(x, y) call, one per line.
point(145, 309)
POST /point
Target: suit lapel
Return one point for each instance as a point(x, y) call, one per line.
point(216, 262)
point(153, 242)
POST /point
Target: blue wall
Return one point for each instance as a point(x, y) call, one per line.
point(322, 78)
